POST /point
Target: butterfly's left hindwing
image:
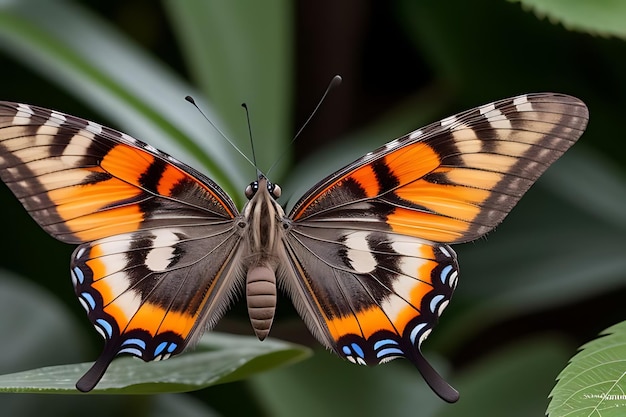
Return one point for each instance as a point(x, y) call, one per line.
point(156, 264)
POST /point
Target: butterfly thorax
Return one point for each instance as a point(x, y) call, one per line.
point(261, 220)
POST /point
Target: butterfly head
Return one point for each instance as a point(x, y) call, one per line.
point(274, 189)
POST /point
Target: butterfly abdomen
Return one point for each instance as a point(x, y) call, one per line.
point(261, 299)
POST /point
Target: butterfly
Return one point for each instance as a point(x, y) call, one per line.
point(364, 255)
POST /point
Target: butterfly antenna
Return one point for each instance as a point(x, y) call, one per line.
point(258, 171)
point(192, 101)
point(333, 83)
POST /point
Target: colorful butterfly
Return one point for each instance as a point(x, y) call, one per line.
point(363, 254)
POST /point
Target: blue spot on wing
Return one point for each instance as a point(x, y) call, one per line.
point(445, 272)
point(160, 348)
point(435, 302)
point(132, 351)
point(106, 326)
point(389, 352)
point(357, 349)
point(79, 275)
point(381, 343)
point(416, 330)
point(89, 299)
point(138, 342)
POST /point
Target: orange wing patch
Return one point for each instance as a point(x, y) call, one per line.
point(127, 163)
point(366, 178)
point(412, 162)
point(171, 177)
point(433, 227)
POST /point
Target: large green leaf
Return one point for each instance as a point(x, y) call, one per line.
point(603, 17)
point(77, 50)
point(594, 382)
point(218, 358)
point(241, 51)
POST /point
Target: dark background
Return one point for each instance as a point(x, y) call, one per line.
point(394, 57)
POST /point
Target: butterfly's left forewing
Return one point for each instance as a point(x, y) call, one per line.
point(157, 260)
point(371, 270)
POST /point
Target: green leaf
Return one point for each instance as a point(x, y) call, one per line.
point(162, 405)
point(240, 52)
point(594, 383)
point(93, 61)
point(218, 358)
point(604, 17)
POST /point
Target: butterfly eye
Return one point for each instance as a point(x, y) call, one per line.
point(275, 190)
point(251, 190)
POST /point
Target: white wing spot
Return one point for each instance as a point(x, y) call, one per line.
point(521, 103)
point(77, 146)
point(445, 251)
point(163, 250)
point(51, 126)
point(487, 108)
point(94, 128)
point(390, 145)
point(47, 129)
point(129, 302)
point(128, 138)
point(359, 253)
point(496, 119)
point(114, 249)
point(448, 121)
point(79, 253)
point(424, 336)
point(454, 279)
point(393, 305)
point(55, 119)
point(416, 134)
point(442, 307)
point(23, 115)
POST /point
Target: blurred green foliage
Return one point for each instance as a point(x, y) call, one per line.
point(547, 280)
